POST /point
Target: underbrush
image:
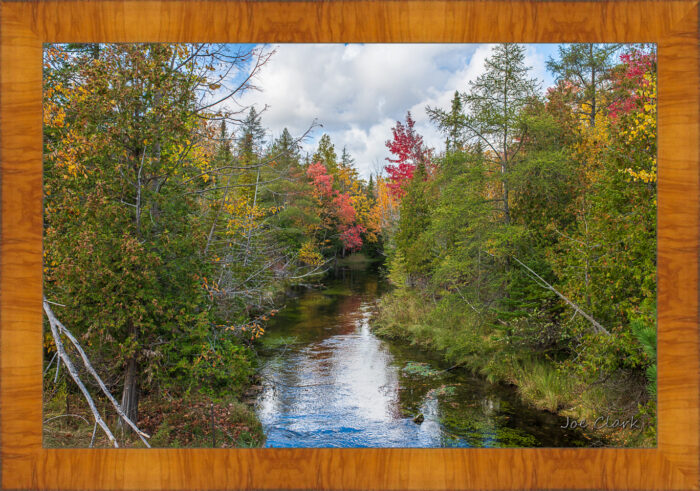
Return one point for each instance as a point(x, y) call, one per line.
point(182, 421)
point(468, 340)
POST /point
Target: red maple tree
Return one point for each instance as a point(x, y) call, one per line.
point(637, 65)
point(407, 147)
point(339, 204)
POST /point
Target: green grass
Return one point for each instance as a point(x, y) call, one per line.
point(542, 385)
point(447, 327)
point(420, 369)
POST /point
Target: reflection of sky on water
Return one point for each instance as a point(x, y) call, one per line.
point(335, 384)
point(350, 398)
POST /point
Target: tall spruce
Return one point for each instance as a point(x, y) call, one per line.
point(585, 66)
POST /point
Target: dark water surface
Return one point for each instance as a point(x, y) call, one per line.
point(330, 382)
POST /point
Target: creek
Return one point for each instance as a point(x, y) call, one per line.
point(329, 381)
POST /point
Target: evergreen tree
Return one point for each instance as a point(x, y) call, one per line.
point(223, 152)
point(413, 222)
point(250, 143)
point(129, 281)
point(346, 159)
point(586, 67)
point(285, 150)
point(451, 123)
point(325, 153)
point(494, 103)
point(370, 190)
point(251, 137)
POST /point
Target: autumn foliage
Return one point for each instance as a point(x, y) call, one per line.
point(528, 251)
point(339, 206)
point(408, 150)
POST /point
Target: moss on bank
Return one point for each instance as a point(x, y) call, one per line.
point(463, 338)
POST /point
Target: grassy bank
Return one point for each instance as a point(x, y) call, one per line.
point(462, 337)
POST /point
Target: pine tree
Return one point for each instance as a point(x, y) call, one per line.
point(585, 66)
point(250, 143)
point(325, 153)
point(494, 104)
point(223, 152)
point(346, 159)
point(251, 137)
point(451, 124)
point(285, 150)
point(370, 190)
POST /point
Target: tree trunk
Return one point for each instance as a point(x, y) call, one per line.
point(130, 395)
point(593, 101)
point(250, 218)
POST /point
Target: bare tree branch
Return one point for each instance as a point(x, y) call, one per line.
point(541, 281)
point(53, 322)
point(94, 374)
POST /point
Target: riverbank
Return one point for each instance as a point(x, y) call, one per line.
point(205, 402)
point(183, 421)
point(328, 381)
point(448, 328)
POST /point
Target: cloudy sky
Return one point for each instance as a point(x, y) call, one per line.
point(358, 92)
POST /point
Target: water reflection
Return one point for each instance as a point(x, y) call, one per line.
point(330, 382)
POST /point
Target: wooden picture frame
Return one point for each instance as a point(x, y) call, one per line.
point(25, 26)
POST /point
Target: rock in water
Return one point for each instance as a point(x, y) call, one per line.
point(419, 419)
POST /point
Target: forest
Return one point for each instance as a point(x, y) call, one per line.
point(522, 250)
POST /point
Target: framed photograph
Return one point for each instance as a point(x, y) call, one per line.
point(349, 245)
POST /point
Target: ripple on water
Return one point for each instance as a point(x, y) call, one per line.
point(335, 384)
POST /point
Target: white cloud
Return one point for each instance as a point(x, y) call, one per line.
point(358, 92)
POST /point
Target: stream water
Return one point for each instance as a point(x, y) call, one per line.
point(328, 381)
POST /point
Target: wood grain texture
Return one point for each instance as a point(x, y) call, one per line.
point(25, 26)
